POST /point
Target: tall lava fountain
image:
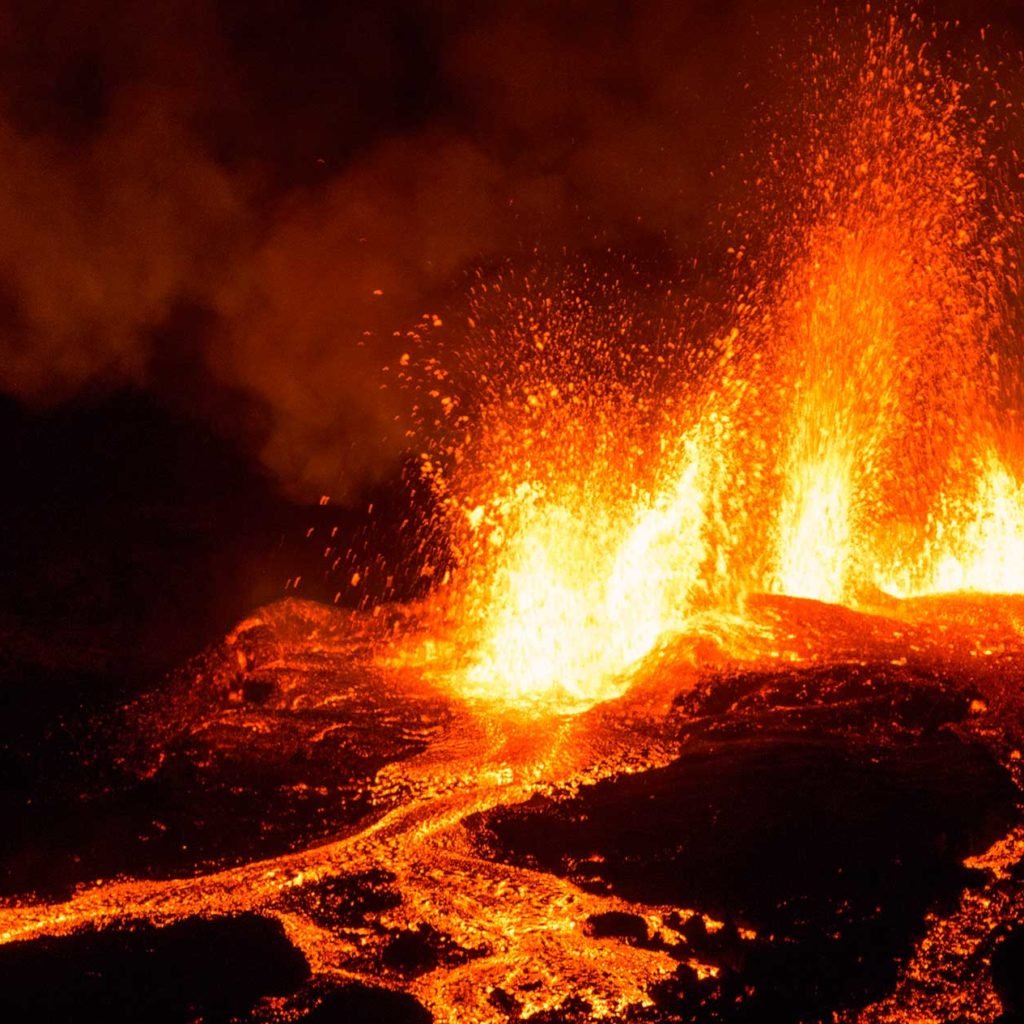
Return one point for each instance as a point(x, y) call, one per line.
point(683, 729)
point(621, 477)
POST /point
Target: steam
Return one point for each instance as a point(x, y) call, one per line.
point(315, 182)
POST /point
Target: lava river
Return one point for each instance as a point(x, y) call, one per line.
point(732, 837)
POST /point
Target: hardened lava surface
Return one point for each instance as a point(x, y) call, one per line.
point(806, 813)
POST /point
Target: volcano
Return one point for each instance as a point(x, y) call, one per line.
point(681, 678)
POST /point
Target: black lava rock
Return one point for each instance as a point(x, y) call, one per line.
point(199, 970)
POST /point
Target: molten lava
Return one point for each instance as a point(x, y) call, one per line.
point(839, 442)
point(579, 599)
point(694, 577)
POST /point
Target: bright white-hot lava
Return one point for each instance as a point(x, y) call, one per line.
point(583, 593)
point(613, 478)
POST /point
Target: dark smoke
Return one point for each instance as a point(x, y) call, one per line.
point(238, 204)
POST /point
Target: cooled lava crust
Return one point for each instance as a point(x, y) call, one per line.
point(288, 829)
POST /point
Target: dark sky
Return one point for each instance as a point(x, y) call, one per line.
point(202, 199)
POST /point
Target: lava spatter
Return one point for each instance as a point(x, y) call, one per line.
point(619, 473)
point(660, 744)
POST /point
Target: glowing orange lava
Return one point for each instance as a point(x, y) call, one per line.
point(638, 508)
point(835, 444)
point(978, 543)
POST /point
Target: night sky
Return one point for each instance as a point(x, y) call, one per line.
point(200, 202)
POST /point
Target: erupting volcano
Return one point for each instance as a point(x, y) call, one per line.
point(848, 434)
point(711, 702)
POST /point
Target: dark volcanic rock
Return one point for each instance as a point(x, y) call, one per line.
point(357, 1004)
point(1008, 976)
point(830, 842)
point(618, 924)
point(210, 971)
point(264, 744)
point(346, 901)
point(857, 697)
point(421, 949)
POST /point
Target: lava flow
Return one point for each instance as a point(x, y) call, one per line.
point(716, 714)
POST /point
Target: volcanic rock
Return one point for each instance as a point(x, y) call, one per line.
point(211, 971)
point(823, 830)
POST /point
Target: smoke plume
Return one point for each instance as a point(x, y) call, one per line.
point(238, 205)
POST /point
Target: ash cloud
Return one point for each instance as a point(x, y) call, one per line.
point(309, 178)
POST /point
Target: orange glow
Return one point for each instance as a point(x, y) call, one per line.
point(978, 544)
point(583, 591)
point(630, 501)
point(820, 439)
point(884, 324)
point(814, 530)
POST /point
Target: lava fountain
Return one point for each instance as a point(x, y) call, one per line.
point(888, 326)
point(839, 438)
point(686, 728)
